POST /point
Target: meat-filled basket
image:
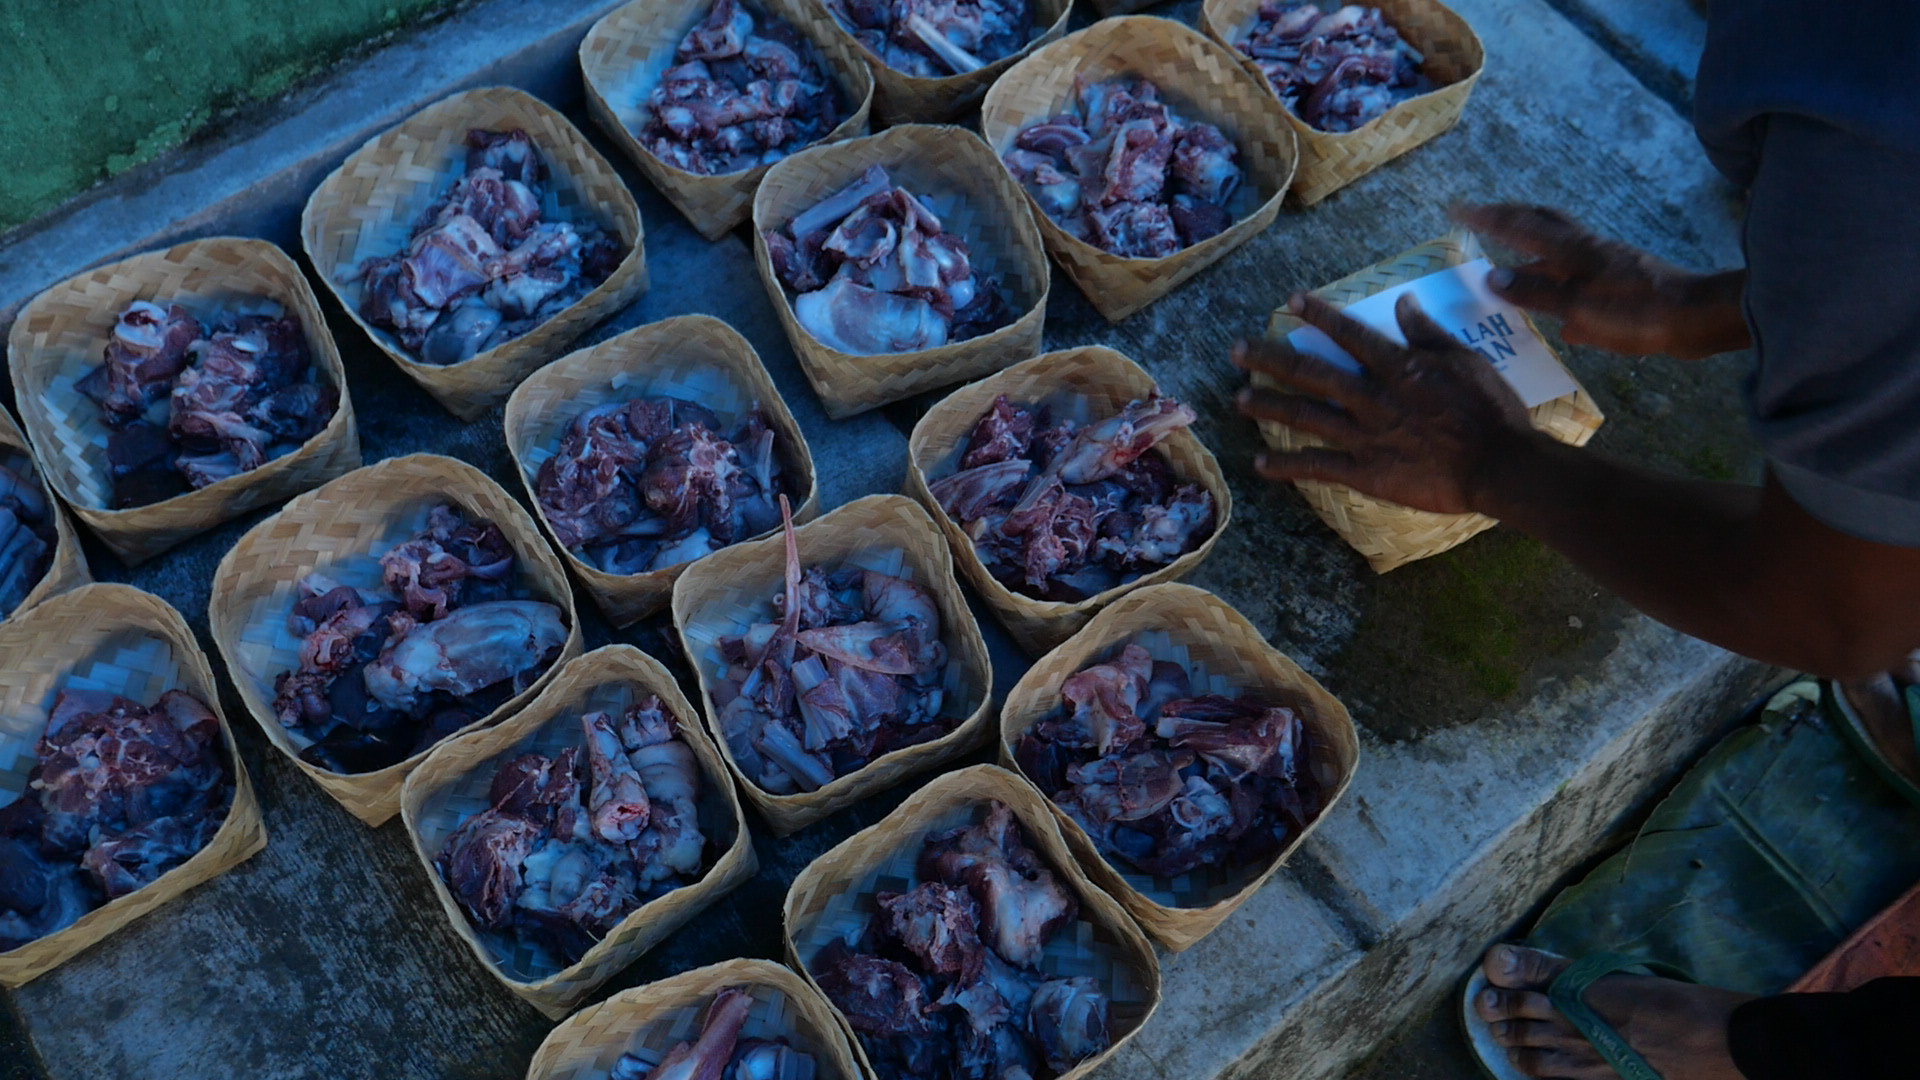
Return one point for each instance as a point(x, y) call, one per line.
point(341, 530)
point(1201, 80)
point(649, 1021)
point(623, 57)
point(900, 97)
point(973, 196)
point(1387, 534)
point(453, 784)
point(694, 358)
point(1329, 160)
point(1225, 655)
point(1085, 384)
point(60, 336)
point(730, 590)
point(67, 568)
point(832, 900)
point(128, 642)
point(368, 207)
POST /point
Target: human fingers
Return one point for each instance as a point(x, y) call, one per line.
point(1316, 418)
point(1539, 231)
point(1365, 344)
point(1421, 331)
point(1314, 463)
point(1298, 372)
point(1536, 289)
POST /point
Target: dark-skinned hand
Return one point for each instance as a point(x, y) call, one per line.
point(1419, 428)
point(1608, 294)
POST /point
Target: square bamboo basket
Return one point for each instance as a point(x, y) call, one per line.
point(649, 1021)
point(832, 899)
point(453, 784)
point(973, 195)
point(691, 357)
point(1331, 160)
point(119, 639)
point(731, 589)
point(900, 98)
point(626, 53)
point(341, 530)
point(1387, 534)
point(367, 208)
point(1199, 80)
point(1224, 654)
point(1086, 384)
point(62, 334)
point(68, 567)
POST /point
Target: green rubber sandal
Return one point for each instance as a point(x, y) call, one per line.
point(1568, 994)
point(1854, 730)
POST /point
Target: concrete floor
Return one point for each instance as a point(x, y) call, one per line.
point(1512, 715)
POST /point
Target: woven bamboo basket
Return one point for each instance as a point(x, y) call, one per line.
point(119, 639)
point(731, 589)
point(692, 357)
point(368, 206)
point(649, 1021)
point(973, 196)
point(61, 335)
point(832, 899)
point(1085, 384)
point(1387, 534)
point(1199, 80)
point(1331, 160)
point(341, 530)
point(626, 53)
point(68, 567)
point(453, 783)
point(1224, 654)
point(900, 98)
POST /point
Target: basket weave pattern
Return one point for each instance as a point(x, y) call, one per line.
point(1087, 384)
point(68, 567)
point(626, 53)
point(974, 196)
point(341, 530)
point(900, 98)
point(453, 783)
point(649, 1021)
point(119, 639)
point(832, 899)
point(1226, 655)
point(60, 338)
point(1199, 80)
point(368, 206)
point(732, 589)
point(1331, 160)
point(1387, 534)
point(691, 357)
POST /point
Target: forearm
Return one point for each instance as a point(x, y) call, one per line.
point(1710, 559)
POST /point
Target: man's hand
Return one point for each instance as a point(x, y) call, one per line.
point(1419, 428)
point(1608, 294)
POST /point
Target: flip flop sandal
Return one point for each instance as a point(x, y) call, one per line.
point(1854, 730)
point(1568, 994)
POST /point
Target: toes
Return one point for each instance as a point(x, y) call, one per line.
point(1495, 1004)
point(1519, 968)
point(1545, 1034)
point(1547, 1063)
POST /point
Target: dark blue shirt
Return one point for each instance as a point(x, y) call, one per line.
point(1815, 109)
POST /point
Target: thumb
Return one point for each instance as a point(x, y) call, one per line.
point(1418, 326)
point(1535, 290)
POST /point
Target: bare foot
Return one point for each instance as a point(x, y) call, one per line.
point(1680, 1028)
point(1882, 707)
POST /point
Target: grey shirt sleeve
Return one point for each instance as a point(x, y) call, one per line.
point(1833, 299)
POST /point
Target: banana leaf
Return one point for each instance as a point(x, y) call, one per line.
point(1774, 848)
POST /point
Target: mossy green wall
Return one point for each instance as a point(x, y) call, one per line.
point(91, 88)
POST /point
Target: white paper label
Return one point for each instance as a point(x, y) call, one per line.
point(1458, 299)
